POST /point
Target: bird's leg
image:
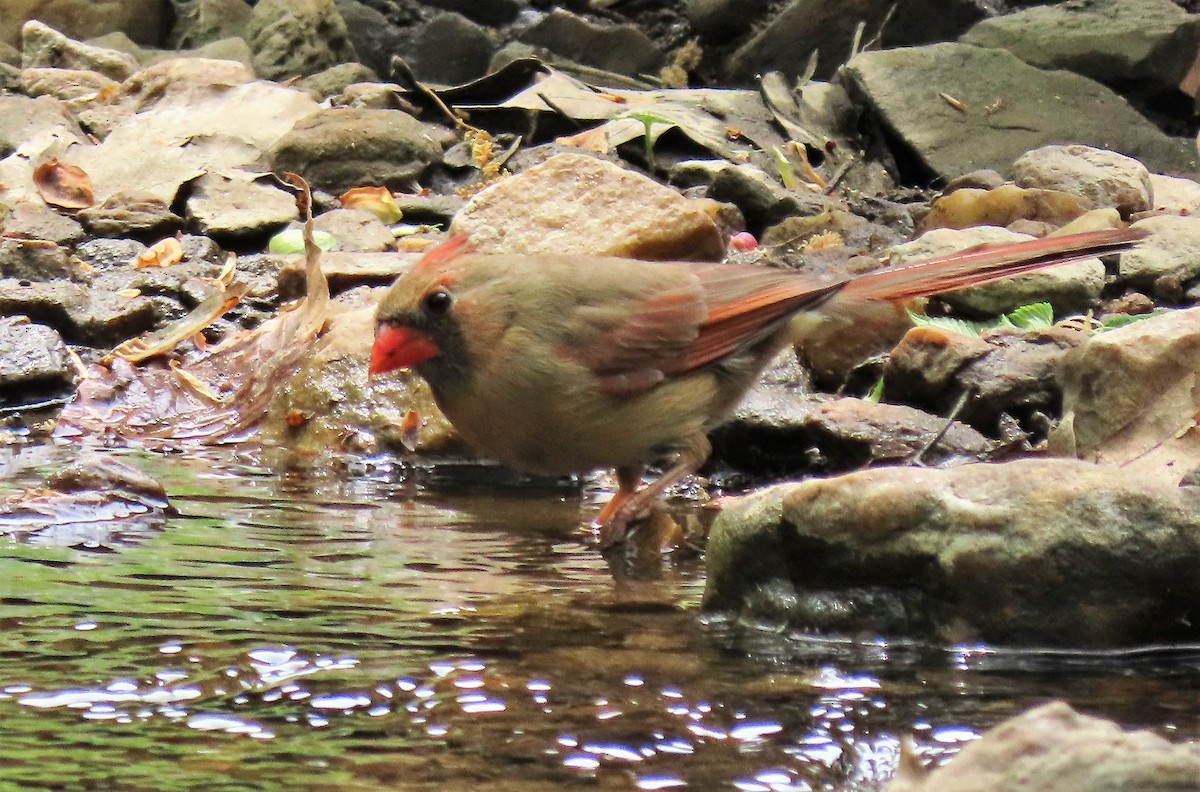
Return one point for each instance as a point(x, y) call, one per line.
point(629, 502)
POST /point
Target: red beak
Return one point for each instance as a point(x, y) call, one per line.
point(399, 347)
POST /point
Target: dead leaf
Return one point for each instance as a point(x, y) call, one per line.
point(163, 253)
point(376, 200)
point(63, 185)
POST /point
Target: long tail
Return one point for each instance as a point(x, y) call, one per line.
point(984, 264)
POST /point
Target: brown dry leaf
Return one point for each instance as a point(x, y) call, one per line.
point(376, 200)
point(63, 185)
point(163, 341)
point(163, 253)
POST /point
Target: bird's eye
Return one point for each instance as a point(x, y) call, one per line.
point(437, 302)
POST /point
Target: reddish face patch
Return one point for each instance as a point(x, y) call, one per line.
point(399, 347)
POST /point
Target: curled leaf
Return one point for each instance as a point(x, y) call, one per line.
point(291, 240)
point(63, 185)
point(376, 200)
point(163, 253)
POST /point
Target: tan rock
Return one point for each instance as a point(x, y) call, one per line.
point(574, 203)
point(1106, 178)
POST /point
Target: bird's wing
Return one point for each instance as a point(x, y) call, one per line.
point(699, 315)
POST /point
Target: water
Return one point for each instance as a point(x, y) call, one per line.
point(349, 631)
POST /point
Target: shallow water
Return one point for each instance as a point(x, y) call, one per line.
point(357, 631)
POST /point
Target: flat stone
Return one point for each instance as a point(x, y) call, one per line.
point(43, 46)
point(34, 364)
point(232, 207)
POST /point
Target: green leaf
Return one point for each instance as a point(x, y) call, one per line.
point(953, 324)
point(1113, 321)
point(1033, 316)
point(875, 395)
point(291, 240)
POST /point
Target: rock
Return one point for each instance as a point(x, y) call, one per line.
point(1036, 552)
point(1002, 206)
point(335, 79)
point(1068, 287)
point(34, 364)
point(329, 403)
point(450, 49)
point(854, 231)
point(121, 215)
point(1006, 372)
point(786, 42)
point(1052, 748)
point(297, 37)
point(23, 118)
point(1147, 43)
point(84, 316)
point(142, 20)
point(376, 37)
point(230, 208)
point(44, 47)
point(1052, 107)
point(1171, 251)
point(36, 220)
point(719, 21)
point(180, 76)
point(493, 12)
point(1127, 391)
point(1103, 177)
point(200, 22)
point(346, 147)
point(762, 200)
point(356, 229)
point(623, 49)
point(77, 89)
point(573, 203)
point(1174, 194)
point(37, 260)
point(778, 431)
point(343, 270)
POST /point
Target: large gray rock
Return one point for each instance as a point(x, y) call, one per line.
point(293, 38)
point(1117, 42)
point(786, 42)
point(200, 22)
point(623, 49)
point(23, 118)
point(34, 364)
point(1055, 749)
point(902, 86)
point(141, 20)
point(1035, 552)
point(235, 207)
point(349, 147)
point(451, 49)
point(44, 47)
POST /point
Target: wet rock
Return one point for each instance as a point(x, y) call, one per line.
point(36, 260)
point(293, 38)
point(376, 37)
point(231, 208)
point(1105, 178)
point(573, 203)
point(347, 147)
point(1052, 747)
point(450, 49)
point(787, 41)
point(23, 118)
point(1006, 372)
point(44, 47)
point(1068, 287)
point(200, 22)
point(1129, 390)
point(84, 19)
point(34, 219)
point(1042, 552)
point(1053, 106)
point(1171, 251)
point(82, 315)
point(779, 431)
point(335, 79)
point(344, 271)
point(34, 364)
point(356, 229)
point(1174, 194)
point(1147, 43)
point(854, 232)
point(121, 215)
point(1003, 206)
point(622, 49)
point(330, 403)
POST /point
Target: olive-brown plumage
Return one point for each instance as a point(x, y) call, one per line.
point(557, 364)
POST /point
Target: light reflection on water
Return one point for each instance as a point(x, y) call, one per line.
point(320, 632)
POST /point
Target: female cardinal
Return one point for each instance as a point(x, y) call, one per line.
point(562, 364)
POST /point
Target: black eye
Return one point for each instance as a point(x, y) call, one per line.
point(437, 302)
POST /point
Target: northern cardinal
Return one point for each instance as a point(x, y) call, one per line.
point(563, 364)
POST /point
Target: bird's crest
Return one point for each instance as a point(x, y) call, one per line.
point(444, 254)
